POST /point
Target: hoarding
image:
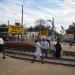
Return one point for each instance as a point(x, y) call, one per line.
point(43, 32)
point(15, 29)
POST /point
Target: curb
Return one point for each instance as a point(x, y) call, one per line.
point(62, 58)
point(29, 59)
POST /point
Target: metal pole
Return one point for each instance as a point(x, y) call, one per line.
point(40, 28)
point(8, 31)
point(22, 24)
point(53, 29)
point(8, 26)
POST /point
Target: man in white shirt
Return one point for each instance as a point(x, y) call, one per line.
point(44, 46)
point(2, 50)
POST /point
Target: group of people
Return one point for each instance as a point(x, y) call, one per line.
point(42, 47)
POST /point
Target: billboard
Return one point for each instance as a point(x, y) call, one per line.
point(15, 29)
point(43, 32)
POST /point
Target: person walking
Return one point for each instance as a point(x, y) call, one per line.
point(44, 46)
point(37, 53)
point(2, 50)
point(58, 49)
point(53, 48)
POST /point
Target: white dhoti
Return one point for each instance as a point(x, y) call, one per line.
point(38, 53)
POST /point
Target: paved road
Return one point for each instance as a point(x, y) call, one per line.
point(11, 66)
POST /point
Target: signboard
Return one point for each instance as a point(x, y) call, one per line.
point(44, 32)
point(15, 29)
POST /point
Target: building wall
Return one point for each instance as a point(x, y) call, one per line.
point(68, 36)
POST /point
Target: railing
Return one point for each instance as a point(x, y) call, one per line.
point(20, 46)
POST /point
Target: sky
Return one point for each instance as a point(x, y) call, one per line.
point(63, 12)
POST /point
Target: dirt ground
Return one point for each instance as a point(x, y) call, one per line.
point(11, 66)
point(67, 47)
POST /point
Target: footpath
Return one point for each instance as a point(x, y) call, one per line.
point(67, 47)
point(68, 50)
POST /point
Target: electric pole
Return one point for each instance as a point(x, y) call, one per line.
point(22, 24)
point(53, 28)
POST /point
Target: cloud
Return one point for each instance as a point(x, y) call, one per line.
point(63, 11)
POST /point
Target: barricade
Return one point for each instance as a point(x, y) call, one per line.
point(19, 46)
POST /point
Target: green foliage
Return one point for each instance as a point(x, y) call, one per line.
point(71, 29)
point(3, 28)
point(40, 22)
point(3, 31)
point(31, 29)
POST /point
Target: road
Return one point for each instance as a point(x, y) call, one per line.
point(11, 66)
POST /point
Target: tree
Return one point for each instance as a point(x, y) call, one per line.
point(45, 24)
point(3, 28)
point(71, 29)
point(40, 22)
point(31, 29)
point(3, 31)
point(41, 25)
